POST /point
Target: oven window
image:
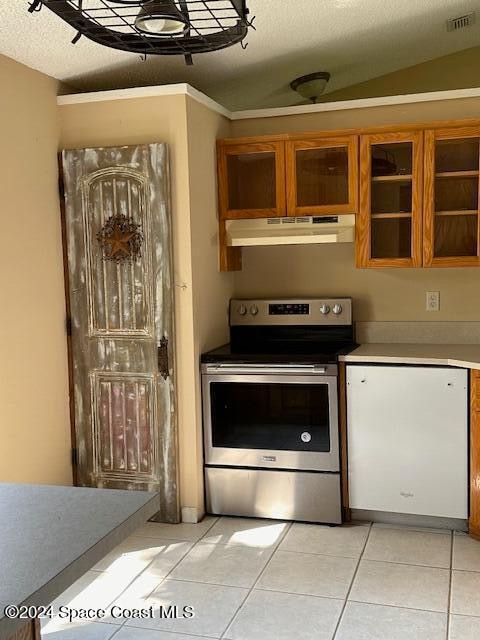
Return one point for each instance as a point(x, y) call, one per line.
point(282, 417)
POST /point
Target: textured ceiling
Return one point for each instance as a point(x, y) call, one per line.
point(354, 40)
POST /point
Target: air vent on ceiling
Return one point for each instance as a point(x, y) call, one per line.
point(454, 24)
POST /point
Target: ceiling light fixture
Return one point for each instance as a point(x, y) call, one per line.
point(161, 18)
point(156, 27)
point(311, 86)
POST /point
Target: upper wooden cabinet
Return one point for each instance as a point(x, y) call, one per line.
point(297, 177)
point(415, 189)
point(389, 225)
point(251, 180)
point(322, 175)
point(451, 209)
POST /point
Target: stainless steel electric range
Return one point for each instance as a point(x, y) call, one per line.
point(270, 410)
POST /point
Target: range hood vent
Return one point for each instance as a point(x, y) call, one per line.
point(302, 230)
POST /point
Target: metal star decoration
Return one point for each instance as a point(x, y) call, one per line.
point(120, 239)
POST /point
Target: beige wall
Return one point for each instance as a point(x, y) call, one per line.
point(455, 71)
point(212, 290)
point(34, 420)
point(421, 112)
point(379, 294)
point(190, 131)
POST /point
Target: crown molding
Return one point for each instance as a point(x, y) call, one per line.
point(144, 92)
point(187, 90)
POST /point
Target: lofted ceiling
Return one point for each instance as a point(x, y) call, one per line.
point(355, 40)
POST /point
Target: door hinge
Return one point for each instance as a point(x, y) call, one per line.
point(162, 355)
point(68, 325)
point(74, 457)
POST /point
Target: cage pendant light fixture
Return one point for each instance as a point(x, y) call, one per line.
point(161, 18)
point(156, 27)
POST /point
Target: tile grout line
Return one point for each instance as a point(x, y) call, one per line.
point(194, 544)
point(409, 564)
point(117, 630)
point(309, 595)
point(287, 529)
point(236, 586)
point(340, 617)
point(217, 519)
point(161, 580)
point(452, 538)
point(396, 606)
point(170, 631)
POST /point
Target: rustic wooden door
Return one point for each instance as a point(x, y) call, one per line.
point(117, 229)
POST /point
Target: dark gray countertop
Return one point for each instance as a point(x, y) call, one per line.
point(50, 536)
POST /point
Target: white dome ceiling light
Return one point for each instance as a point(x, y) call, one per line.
point(311, 86)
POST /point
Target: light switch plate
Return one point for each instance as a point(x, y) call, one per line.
point(433, 300)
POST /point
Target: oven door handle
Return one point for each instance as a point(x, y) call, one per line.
point(266, 368)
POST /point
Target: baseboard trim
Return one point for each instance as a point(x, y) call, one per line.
point(192, 515)
point(410, 520)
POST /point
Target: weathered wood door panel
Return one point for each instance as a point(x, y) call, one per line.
point(122, 319)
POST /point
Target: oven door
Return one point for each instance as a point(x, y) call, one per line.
point(271, 417)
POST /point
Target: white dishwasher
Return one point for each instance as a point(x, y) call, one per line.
point(408, 439)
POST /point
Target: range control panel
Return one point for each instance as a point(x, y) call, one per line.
point(288, 309)
point(314, 311)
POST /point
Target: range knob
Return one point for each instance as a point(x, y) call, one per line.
point(337, 309)
point(254, 309)
point(324, 309)
point(242, 310)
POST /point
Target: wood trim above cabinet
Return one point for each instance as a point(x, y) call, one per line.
point(230, 257)
point(448, 125)
point(474, 516)
point(351, 143)
point(429, 259)
point(363, 227)
point(276, 147)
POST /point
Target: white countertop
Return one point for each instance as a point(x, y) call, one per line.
point(452, 355)
point(50, 536)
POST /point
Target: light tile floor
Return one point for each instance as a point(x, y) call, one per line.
point(267, 580)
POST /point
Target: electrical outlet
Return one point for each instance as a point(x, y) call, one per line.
point(433, 300)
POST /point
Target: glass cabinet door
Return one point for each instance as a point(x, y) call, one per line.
point(451, 197)
point(389, 226)
point(252, 180)
point(322, 176)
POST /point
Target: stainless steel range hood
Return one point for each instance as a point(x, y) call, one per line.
point(304, 230)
